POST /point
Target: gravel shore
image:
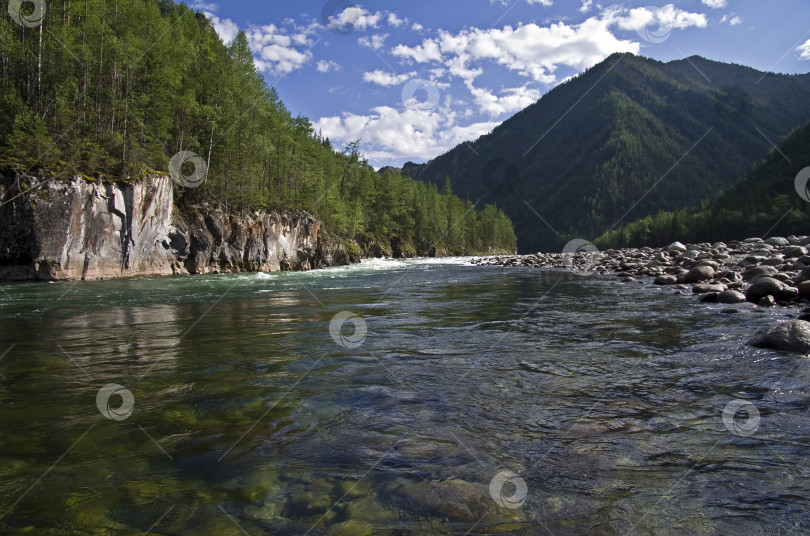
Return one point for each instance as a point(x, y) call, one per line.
point(769, 273)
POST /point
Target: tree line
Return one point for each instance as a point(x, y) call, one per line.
point(764, 203)
point(108, 87)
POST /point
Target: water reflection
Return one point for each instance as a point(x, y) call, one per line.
point(605, 399)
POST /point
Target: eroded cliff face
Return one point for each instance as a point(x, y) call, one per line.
point(65, 230)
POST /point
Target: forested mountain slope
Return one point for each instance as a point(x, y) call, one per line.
point(765, 202)
point(108, 88)
point(627, 138)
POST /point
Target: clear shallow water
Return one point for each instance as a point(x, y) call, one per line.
point(605, 399)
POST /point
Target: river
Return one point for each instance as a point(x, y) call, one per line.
point(394, 398)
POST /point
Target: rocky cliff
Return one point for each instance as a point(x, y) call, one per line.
point(83, 229)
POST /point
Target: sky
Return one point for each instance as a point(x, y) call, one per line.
point(414, 79)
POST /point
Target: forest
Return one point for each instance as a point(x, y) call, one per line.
point(764, 203)
point(110, 88)
point(587, 154)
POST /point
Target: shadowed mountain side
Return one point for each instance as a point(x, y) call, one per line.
point(627, 138)
point(766, 202)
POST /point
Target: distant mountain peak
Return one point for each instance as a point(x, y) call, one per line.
point(588, 152)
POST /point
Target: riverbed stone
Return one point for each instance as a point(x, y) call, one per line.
point(764, 286)
point(676, 247)
point(773, 261)
point(698, 274)
point(767, 301)
point(789, 293)
point(804, 289)
point(803, 276)
point(757, 271)
point(666, 280)
point(704, 288)
point(706, 262)
point(351, 528)
point(730, 297)
point(794, 252)
point(789, 336)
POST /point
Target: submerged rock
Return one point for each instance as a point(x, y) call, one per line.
point(790, 336)
point(730, 297)
point(351, 528)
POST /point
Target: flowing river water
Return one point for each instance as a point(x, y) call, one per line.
point(453, 399)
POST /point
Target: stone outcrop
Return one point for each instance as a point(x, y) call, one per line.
point(790, 336)
point(83, 229)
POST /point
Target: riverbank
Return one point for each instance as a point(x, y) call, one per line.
point(762, 273)
point(89, 229)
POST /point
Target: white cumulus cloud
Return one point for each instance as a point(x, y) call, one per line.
point(715, 4)
point(374, 42)
point(357, 18)
point(804, 50)
point(385, 79)
point(279, 51)
point(326, 66)
point(511, 100)
point(395, 21)
point(226, 28)
point(667, 17)
point(394, 134)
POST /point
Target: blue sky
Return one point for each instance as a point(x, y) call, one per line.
point(414, 79)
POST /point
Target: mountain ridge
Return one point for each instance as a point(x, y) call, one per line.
point(764, 201)
point(627, 138)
